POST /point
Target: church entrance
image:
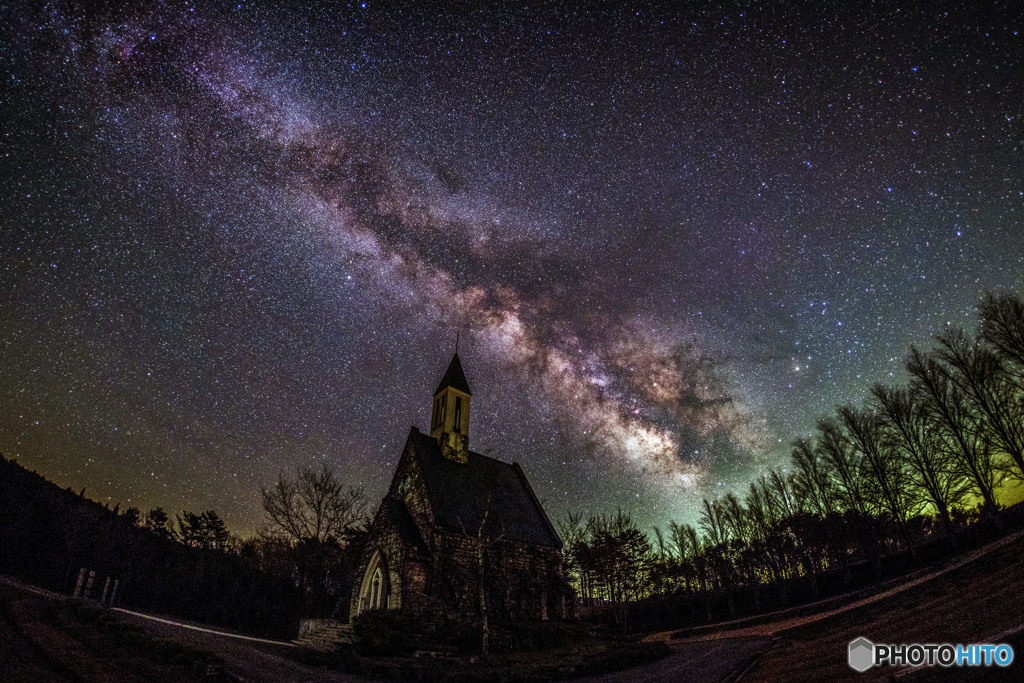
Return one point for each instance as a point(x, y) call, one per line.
point(375, 590)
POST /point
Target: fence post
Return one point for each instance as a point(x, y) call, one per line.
point(78, 584)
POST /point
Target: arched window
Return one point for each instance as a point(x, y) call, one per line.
point(375, 590)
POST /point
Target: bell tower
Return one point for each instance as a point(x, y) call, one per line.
point(449, 421)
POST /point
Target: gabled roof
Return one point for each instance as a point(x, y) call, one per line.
point(398, 515)
point(454, 377)
point(482, 492)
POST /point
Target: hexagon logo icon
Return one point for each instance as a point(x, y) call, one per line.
point(862, 654)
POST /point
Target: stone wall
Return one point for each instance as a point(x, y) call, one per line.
point(383, 538)
point(323, 634)
point(521, 581)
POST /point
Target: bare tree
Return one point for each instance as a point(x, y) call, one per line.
point(621, 553)
point(930, 467)
point(313, 519)
point(782, 491)
point(713, 523)
point(955, 423)
point(315, 506)
point(844, 463)
point(572, 531)
point(1002, 326)
point(980, 374)
point(736, 518)
point(482, 544)
point(684, 538)
point(772, 509)
point(888, 482)
point(666, 570)
point(661, 544)
point(811, 482)
point(686, 542)
point(757, 512)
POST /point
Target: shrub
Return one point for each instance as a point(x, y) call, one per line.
point(537, 636)
point(456, 635)
point(385, 632)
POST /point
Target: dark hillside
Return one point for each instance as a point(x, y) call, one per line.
point(48, 534)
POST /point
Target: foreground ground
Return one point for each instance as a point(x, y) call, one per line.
point(45, 637)
point(978, 598)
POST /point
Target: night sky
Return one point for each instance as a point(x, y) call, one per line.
point(237, 240)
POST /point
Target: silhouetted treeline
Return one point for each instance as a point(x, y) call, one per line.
point(313, 532)
point(191, 569)
point(905, 478)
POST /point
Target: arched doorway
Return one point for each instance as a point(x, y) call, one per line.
point(375, 590)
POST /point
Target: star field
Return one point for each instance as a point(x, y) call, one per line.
point(238, 239)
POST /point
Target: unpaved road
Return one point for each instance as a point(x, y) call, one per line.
point(978, 598)
point(245, 659)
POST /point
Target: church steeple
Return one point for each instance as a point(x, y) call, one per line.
point(449, 422)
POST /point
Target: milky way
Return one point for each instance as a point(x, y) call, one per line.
point(241, 240)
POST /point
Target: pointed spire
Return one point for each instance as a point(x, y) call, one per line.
point(449, 422)
point(454, 377)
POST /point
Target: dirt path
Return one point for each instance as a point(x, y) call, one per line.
point(772, 628)
point(245, 659)
point(694, 661)
point(977, 598)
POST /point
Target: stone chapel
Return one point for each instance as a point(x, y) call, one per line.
point(457, 531)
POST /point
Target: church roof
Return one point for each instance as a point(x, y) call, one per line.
point(454, 377)
point(482, 492)
point(398, 515)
